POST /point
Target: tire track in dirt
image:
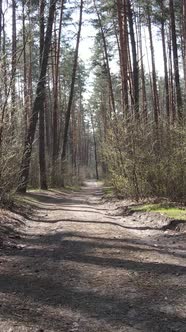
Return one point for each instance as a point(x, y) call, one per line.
point(79, 267)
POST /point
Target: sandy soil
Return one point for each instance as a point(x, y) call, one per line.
point(85, 265)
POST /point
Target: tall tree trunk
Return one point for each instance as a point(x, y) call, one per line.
point(4, 58)
point(154, 80)
point(25, 88)
point(123, 37)
point(144, 94)
point(134, 60)
point(1, 67)
point(0, 27)
point(106, 59)
point(14, 59)
point(171, 83)
point(30, 90)
point(176, 62)
point(42, 157)
point(95, 149)
point(38, 102)
point(184, 42)
point(165, 60)
point(56, 97)
point(69, 107)
point(6, 90)
point(1, 73)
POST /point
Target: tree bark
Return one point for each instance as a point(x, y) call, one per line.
point(134, 61)
point(175, 60)
point(0, 26)
point(171, 83)
point(144, 94)
point(30, 76)
point(14, 60)
point(165, 61)
point(1, 69)
point(70, 101)
point(25, 71)
point(184, 42)
point(95, 149)
point(25, 164)
point(123, 37)
point(106, 59)
point(42, 157)
point(154, 80)
point(55, 102)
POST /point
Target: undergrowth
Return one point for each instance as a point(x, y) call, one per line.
point(167, 209)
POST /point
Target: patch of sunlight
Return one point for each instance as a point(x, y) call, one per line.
point(72, 188)
point(25, 199)
point(108, 191)
point(170, 211)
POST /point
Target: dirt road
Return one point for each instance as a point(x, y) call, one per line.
point(80, 267)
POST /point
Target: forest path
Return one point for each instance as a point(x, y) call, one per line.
point(80, 268)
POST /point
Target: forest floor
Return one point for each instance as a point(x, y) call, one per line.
point(80, 264)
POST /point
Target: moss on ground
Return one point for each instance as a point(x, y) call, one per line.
point(71, 188)
point(108, 191)
point(169, 210)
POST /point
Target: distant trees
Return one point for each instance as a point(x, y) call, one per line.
point(132, 130)
point(37, 82)
point(71, 95)
point(143, 147)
